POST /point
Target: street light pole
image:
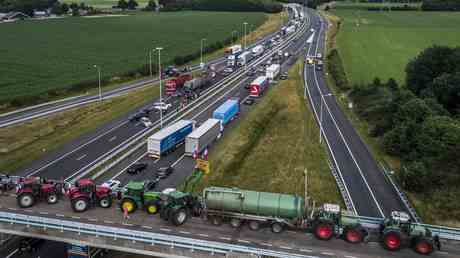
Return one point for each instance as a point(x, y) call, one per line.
point(245, 23)
point(161, 90)
point(99, 80)
point(150, 62)
point(233, 36)
point(321, 115)
point(201, 58)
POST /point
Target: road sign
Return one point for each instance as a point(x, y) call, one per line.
point(203, 165)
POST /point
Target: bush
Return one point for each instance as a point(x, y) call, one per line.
point(335, 67)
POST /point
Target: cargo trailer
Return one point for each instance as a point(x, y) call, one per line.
point(202, 137)
point(197, 83)
point(231, 60)
point(244, 58)
point(172, 85)
point(233, 50)
point(168, 138)
point(227, 111)
point(258, 86)
point(273, 71)
point(258, 50)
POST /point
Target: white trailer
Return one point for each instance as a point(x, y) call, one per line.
point(233, 50)
point(273, 71)
point(202, 137)
point(231, 60)
point(244, 58)
point(258, 50)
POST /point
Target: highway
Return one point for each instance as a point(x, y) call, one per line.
point(370, 193)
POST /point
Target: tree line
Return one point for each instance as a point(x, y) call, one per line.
point(56, 7)
point(269, 6)
point(420, 123)
point(441, 5)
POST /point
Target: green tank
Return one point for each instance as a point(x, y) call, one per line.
point(254, 203)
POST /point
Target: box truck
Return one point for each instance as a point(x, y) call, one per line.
point(233, 50)
point(258, 50)
point(272, 71)
point(244, 58)
point(231, 60)
point(258, 86)
point(202, 137)
point(227, 111)
point(169, 137)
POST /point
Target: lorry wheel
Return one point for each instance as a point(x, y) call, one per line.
point(235, 223)
point(323, 231)
point(254, 225)
point(128, 205)
point(80, 204)
point(52, 198)
point(151, 208)
point(105, 202)
point(353, 234)
point(178, 216)
point(277, 227)
point(423, 246)
point(392, 240)
point(26, 200)
point(164, 214)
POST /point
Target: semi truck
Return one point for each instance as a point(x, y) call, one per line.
point(197, 83)
point(202, 137)
point(172, 85)
point(272, 71)
point(227, 111)
point(231, 60)
point(233, 50)
point(168, 138)
point(258, 86)
point(258, 50)
point(244, 58)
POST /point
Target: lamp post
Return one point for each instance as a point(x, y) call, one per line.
point(99, 80)
point(201, 58)
point(321, 130)
point(161, 91)
point(233, 36)
point(245, 24)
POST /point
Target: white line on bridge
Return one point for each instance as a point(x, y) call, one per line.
point(327, 253)
point(203, 235)
point(75, 217)
point(60, 215)
point(81, 157)
point(43, 213)
point(244, 241)
point(108, 221)
point(350, 256)
point(185, 232)
point(165, 229)
point(12, 253)
point(286, 247)
point(307, 250)
point(266, 244)
point(147, 227)
point(225, 238)
point(113, 139)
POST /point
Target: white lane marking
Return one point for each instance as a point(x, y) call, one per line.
point(113, 139)
point(13, 209)
point(442, 252)
point(266, 244)
point(165, 229)
point(203, 235)
point(327, 253)
point(244, 241)
point(292, 232)
point(59, 215)
point(75, 217)
point(108, 221)
point(350, 256)
point(127, 224)
point(225, 238)
point(185, 232)
point(30, 211)
point(286, 247)
point(307, 250)
point(126, 168)
point(43, 213)
point(12, 253)
point(81, 157)
point(92, 219)
point(147, 227)
point(178, 160)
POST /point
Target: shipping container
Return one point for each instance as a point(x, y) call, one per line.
point(258, 86)
point(227, 111)
point(202, 137)
point(273, 71)
point(169, 137)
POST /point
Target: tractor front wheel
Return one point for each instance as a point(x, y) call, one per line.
point(151, 208)
point(129, 205)
point(26, 200)
point(52, 198)
point(423, 246)
point(392, 240)
point(105, 202)
point(80, 204)
point(178, 216)
point(323, 231)
point(354, 234)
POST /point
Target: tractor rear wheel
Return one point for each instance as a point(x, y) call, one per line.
point(80, 204)
point(353, 234)
point(392, 240)
point(164, 213)
point(277, 227)
point(178, 216)
point(423, 246)
point(26, 200)
point(105, 202)
point(52, 198)
point(129, 205)
point(323, 231)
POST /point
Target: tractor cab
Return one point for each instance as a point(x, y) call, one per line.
point(136, 195)
point(32, 189)
point(86, 193)
point(176, 207)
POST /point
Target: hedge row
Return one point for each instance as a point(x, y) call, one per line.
point(337, 71)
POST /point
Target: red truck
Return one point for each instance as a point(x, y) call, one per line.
point(258, 86)
point(172, 85)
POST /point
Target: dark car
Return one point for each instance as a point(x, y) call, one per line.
point(137, 116)
point(150, 184)
point(249, 101)
point(164, 172)
point(136, 168)
point(284, 76)
point(30, 245)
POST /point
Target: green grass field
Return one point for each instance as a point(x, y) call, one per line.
point(382, 43)
point(38, 56)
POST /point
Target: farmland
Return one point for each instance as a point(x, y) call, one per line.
point(380, 44)
point(39, 56)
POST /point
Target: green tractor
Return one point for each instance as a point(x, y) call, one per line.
point(329, 222)
point(136, 196)
point(398, 230)
point(176, 207)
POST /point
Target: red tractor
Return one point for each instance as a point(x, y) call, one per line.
point(86, 193)
point(32, 189)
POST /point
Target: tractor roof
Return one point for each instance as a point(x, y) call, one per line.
point(177, 194)
point(135, 185)
point(86, 181)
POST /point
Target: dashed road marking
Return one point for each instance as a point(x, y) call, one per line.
point(349, 256)
point(443, 253)
point(147, 227)
point(266, 244)
point(127, 224)
point(203, 235)
point(327, 253)
point(112, 139)
point(30, 211)
point(91, 219)
point(165, 229)
point(81, 157)
point(59, 215)
point(12, 209)
point(184, 232)
point(43, 213)
point(286, 247)
point(244, 241)
point(108, 221)
point(306, 250)
point(290, 231)
point(75, 217)
point(225, 238)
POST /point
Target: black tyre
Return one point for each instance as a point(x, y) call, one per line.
point(105, 202)
point(323, 230)
point(254, 225)
point(26, 200)
point(151, 208)
point(235, 223)
point(178, 216)
point(164, 214)
point(277, 227)
point(80, 204)
point(354, 235)
point(392, 240)
point(52, 198)
point(128, 205)
point(423, 246)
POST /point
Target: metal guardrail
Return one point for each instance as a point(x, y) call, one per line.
point(340, 184)
point(401, 194)
point(139, 236)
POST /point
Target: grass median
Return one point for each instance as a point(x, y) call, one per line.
point(21, 144)
point(272, 146)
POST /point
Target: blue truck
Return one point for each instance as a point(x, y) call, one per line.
point(169, 137)
point(227, 111)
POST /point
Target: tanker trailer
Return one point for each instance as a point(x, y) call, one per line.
point(255, 208)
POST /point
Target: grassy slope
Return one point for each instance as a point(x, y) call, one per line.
point(41, 55)
point(381, 43)
point(271, 147)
